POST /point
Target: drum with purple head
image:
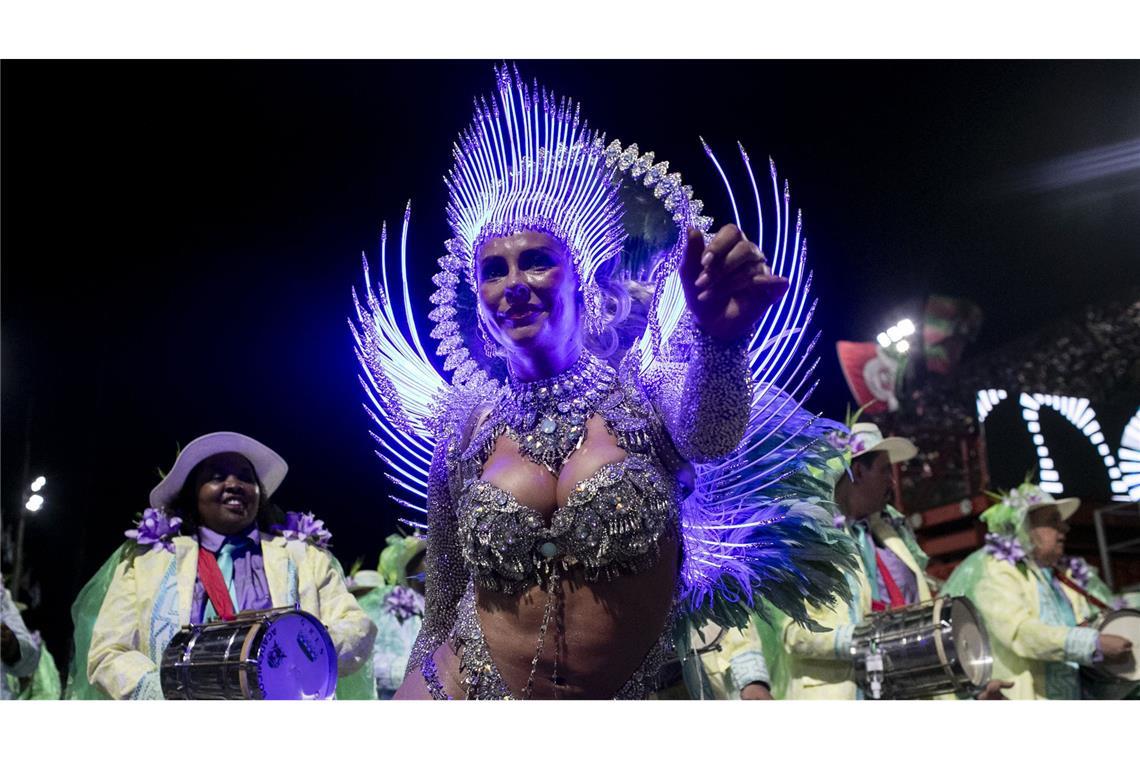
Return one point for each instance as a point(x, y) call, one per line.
point(264, 654)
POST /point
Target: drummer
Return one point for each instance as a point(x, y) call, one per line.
point(1035, 600)
point(890, 571)
point(212, 545)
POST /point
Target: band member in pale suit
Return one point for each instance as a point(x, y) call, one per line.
point(212, 509)
point(1034, 600)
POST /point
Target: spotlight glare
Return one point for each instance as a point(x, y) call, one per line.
point(884, 341)
point(906, 327)
point(35, 503)
point(903, 346)
point(38, 484)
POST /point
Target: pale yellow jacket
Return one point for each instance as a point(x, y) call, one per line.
point(818, 666)
point(736, 661)
point(150, 596)
point(1008, 598)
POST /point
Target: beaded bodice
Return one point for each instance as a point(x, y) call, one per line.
point(612, 521)
point(611, 524)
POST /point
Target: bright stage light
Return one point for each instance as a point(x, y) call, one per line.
point(903, 346)
point(35, 503)
point(38, 484)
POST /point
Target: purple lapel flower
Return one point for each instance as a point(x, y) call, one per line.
point(1006, 548)
point(404, 603)
point(839, 521)
point(305, 527)
point(155, 528)
point(1078, 570)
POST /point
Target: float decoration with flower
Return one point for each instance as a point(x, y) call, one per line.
point(404, 603)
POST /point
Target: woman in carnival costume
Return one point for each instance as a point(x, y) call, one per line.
point(1035, 600)
point(393, 598)
point(592, 496)
point(211, 545)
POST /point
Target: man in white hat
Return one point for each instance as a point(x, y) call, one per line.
point(1034, 600)
point(890, 568)
point(817, 665)
point(212, 545)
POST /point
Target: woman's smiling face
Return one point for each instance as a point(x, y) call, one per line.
point(228, 493)
point(527, 292)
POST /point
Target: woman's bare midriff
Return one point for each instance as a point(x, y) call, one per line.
point(608, 628)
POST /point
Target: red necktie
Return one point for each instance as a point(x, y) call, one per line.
point(215, 584)
point(897, 598)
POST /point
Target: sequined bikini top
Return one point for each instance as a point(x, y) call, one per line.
point(612, 522)
point(610, 526)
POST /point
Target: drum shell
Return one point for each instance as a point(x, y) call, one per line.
point(224, 659)
point(917, 646)
point(207, 662)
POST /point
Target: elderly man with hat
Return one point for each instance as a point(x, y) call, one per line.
point(1033, 599)
point(393, 598)
point(212, 545)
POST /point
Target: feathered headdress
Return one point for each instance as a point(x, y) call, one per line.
point(526, 162)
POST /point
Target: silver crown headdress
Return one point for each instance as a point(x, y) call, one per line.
point(526, 162)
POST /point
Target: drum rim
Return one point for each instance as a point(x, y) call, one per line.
point(988, 663)
point(322, 631)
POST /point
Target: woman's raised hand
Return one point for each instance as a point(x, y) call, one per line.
point(727, 284)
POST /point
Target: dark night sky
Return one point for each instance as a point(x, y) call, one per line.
point(179, 240)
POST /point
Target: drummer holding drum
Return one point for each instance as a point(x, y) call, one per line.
point(211, 548)
point(832, 664)
point(1047, 615)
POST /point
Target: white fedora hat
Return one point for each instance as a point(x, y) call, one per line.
point(1033, 496)
point(267, 464)
point(364, 580)
point(866, 438)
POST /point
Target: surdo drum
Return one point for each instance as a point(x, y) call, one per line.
point(1118, 678)
point(927, 649)
point(281, 653)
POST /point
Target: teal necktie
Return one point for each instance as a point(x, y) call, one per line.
point(226, 564)
point(862, 533)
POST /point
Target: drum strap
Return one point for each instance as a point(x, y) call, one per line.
point(896, 596)
point(215, 584)
point(1060, 575)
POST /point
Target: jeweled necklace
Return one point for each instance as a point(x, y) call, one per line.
point(547, 418)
